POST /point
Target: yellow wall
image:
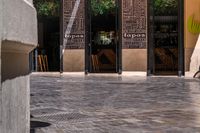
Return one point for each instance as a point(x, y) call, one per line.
point(191, 7)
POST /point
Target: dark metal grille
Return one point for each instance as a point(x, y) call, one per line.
point(44, 111)
point(64, 117)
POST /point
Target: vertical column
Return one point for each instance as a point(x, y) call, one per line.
point(134, 35)
point(74, 35)
point(18, 36)
point(1, 32)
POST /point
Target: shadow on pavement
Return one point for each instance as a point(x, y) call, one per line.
point(37, 124)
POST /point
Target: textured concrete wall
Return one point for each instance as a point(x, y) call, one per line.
point(1, 29)
point(19, 21)
point(15, 92)
point(18, 36)
point(15, 102)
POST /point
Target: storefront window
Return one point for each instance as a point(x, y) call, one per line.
point(165, 37)
point(103, 35)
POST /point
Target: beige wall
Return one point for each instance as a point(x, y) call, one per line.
point(74, 60)
point(190, 39)
point(134, 60)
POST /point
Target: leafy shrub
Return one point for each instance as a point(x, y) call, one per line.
point(100, 7)
point(165, 7)
point(47, 7)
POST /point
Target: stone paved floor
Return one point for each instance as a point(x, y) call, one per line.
point(115, 104)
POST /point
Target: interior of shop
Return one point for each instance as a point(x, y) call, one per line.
point(46, 57)
point(103, 37)
point(165, 38)
point(49, 45)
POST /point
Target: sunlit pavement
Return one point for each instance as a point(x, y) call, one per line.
point(75, 103)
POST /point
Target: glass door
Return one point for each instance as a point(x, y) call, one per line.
point(164, 38)
point(103, 36)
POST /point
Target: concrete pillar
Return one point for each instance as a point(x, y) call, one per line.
point(1, 27)
point(18, 36)
point(134, 35)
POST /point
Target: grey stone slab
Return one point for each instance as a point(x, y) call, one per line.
point(116, 104)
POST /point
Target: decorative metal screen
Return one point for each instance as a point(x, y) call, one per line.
point(134, 24)
point(74, 24)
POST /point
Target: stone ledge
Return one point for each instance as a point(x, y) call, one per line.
point(16, 47)
point(14, 59)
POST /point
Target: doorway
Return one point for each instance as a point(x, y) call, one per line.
point(102, 41)
point(46, 57)
point(165, 43)
point(49, 44)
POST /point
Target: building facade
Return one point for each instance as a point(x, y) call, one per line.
point(131, 35)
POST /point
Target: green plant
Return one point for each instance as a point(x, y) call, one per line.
point(100, 7)
point(47, 7)
point(193, 25)
point(165, 6)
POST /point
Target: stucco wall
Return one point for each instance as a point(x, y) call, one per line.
point(18, 36)
point(191, 7)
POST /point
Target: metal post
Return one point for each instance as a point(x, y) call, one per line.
point(36, 62)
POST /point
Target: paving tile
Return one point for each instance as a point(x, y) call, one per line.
point(115, 104)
